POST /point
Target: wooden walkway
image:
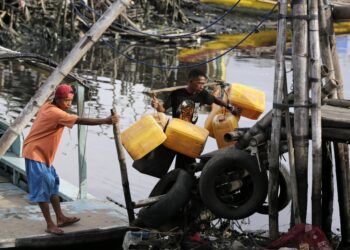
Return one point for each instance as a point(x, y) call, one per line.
point(22, 223)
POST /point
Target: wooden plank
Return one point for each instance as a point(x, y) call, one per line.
point(4, 179)
point(336, 115)
point(25, 225)
point(12, 196)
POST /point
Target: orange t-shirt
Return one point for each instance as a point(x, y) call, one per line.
point(45, 135)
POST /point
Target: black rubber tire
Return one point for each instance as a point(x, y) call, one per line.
point(234, 205)
point(284, 195)
point(176, 185)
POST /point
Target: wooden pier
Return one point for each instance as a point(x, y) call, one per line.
point(22, 223)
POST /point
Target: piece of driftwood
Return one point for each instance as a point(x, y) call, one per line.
point(147, 202)
point(170, 89)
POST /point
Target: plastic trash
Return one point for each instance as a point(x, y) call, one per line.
point(133, 238)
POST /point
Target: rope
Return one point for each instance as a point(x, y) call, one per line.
point(164, 36)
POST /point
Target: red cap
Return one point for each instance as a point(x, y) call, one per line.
point(64, 91)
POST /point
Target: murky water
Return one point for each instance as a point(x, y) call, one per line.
point(118, 80)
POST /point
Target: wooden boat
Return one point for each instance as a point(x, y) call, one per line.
point(22, 224)
point(247, 4)
point(260, 39)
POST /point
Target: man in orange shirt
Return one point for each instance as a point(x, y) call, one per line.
point(39, 151)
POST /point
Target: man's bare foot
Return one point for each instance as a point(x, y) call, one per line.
point(54, 230)
point(65, 221)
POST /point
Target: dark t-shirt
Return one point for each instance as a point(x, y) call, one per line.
point(185, 105)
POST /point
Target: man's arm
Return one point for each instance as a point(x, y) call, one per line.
point(234, 110)
point(97, 121)
point(158, 105)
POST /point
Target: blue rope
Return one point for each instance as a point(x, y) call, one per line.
point(169, 37)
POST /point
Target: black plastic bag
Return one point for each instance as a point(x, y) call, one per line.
point(156, 163)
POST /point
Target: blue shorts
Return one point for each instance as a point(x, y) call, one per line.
point(42, 180)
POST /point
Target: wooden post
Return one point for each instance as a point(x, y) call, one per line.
point(300, 80)
point(327, 189)
point(82, 130)
point(276, 123)
point(123, 170)
point(293, 178)
point(315, 79)
point(60, 72)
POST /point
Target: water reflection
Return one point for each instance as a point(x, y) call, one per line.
point(117, 81)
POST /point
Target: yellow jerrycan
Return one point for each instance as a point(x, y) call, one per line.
point(209, 121)
point(142, 137)
point(215, 110)
point(161, 118)
point(223, 123)
point(250, 100)
point(185, 138)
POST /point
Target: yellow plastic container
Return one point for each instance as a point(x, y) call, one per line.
point(250, 100)
point(142, 137)
point(161, 118)
point(223, 123)
point(209, 121)
point(185, 138)
point(216, 109)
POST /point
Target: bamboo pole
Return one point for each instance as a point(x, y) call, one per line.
point(82, 134)
point(293, 178)
point(327, 189)
point(276, 123)
point(123, 170)
point(60, 72)
point(315, 79)
point(300, 80)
